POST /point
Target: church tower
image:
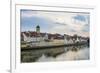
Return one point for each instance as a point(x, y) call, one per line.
point(38, 29)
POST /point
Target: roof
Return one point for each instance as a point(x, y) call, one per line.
point(35, 34)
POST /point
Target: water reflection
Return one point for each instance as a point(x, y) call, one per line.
point(56, 54)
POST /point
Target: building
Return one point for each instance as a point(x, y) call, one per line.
point(34, 36)
point(38, 29)
point(38, 36)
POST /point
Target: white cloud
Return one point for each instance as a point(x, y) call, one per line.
point(63, 22)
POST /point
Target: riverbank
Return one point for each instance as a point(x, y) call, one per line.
point(52, 46)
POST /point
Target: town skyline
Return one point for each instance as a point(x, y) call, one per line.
point(55, 22)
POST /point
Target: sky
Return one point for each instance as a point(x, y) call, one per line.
point(55, 22)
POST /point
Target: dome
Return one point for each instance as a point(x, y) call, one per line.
point(37, 26)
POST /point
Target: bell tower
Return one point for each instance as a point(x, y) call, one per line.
point(38, 29)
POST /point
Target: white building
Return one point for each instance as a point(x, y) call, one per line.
point(34, 36)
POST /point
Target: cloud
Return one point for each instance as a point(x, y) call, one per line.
point(28, 13)
point(80, 18)
point(57, 22)
point(86, 28)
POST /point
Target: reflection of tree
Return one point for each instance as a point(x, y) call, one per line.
point(29, 57)
point(53, 54)
point(73, 48)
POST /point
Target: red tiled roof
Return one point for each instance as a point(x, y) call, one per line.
point(35, 34)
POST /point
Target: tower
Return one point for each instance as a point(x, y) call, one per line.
point(38, 29)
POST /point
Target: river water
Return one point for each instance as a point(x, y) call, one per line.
point(56, 54)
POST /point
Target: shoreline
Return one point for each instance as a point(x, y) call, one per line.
point(53, 46)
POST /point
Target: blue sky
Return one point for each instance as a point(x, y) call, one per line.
point(31, 22)
point(55, 22)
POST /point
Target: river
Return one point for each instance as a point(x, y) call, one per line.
point(56, 54)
